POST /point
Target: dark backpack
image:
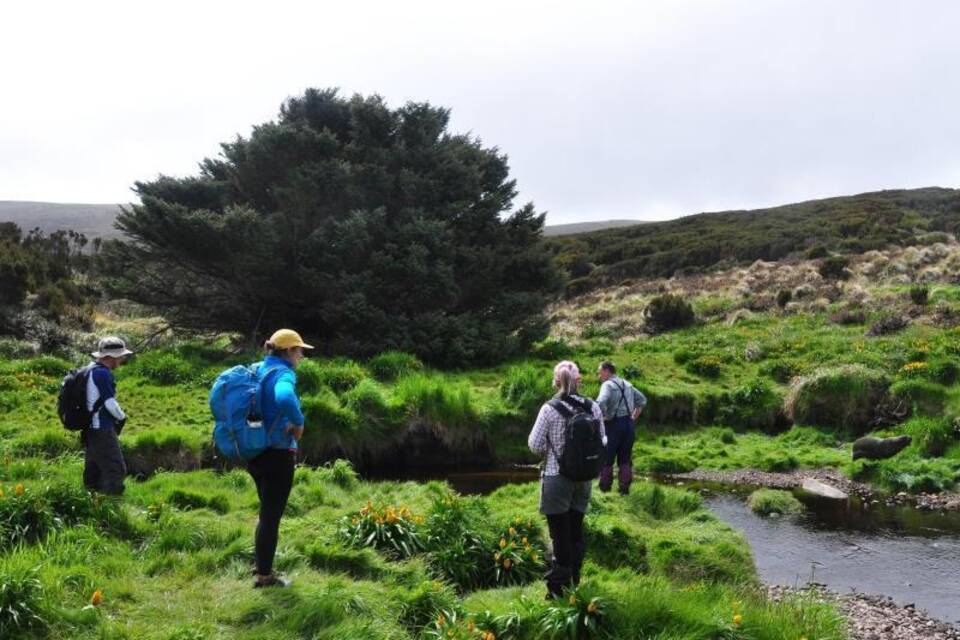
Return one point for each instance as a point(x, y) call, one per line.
point(583, 451)
point(72, 400)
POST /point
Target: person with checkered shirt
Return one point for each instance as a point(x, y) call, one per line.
point(564, 502)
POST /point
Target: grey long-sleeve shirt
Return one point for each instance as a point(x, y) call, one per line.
point(610, 396)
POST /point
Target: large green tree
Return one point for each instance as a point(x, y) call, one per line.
point(366, 227)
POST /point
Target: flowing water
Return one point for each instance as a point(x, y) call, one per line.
point(910, 555)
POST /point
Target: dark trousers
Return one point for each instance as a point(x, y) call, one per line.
point(272, 472)
point(621, 433)
point(103, 465)
point(569, 549)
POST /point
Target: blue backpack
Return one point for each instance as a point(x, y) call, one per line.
point(236, 403)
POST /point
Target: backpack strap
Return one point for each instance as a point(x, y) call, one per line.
point(263, 379)
point(87, 372)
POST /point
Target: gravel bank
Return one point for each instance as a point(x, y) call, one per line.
point(872, 617)
point(751, 477)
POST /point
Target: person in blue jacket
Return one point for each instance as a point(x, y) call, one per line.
point(103, 466)
point(272, 470)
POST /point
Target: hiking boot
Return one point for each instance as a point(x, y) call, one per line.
point(273, 580)
point(625, 478)
point(558, 578)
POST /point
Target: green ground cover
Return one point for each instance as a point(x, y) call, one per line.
point(172, 560)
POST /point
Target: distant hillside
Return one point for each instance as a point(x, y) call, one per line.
point(585, 227)
point(849, 224)
point(93, 220)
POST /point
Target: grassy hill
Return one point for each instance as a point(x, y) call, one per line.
point(849, 224)
point(93, 220)
point(586, 227)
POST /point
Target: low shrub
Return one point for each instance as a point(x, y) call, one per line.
point(920, 294)
point(594, 330)
point(784, 296)
point(368, 400)
point(707, 366)
point(767, 501)
point(667, 312)
point(834, 268)
point(340, 472)
point(753, 405)
point(931, 436)
point(188, 500)
point(340, 375)
point(943, 370)
point(924, 397)
point(551, 349)
point(526, 387)
point(845, 397)
point(324, 414)
point(917, 475)
point(21, 601)
point(781, 370)
point(887, 324)
point(163, 367)
point(815, 252)
point(669, 462)
point(13, 349)
point(437, 399)
point(390, 529)
point(515, 558)
point(391, 365)
point(576, 615)
point(778, 462)
point(424, 603)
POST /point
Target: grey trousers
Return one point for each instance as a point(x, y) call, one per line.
point(104, 468)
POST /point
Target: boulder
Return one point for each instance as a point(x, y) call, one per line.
point(822, 489)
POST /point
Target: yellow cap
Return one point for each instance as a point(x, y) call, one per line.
point(287, 339)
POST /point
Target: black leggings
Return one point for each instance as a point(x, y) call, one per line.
point(569, 546)
point(272, 471)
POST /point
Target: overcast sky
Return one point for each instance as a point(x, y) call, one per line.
point(646, 109)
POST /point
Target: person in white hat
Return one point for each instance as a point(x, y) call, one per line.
point(104, 468)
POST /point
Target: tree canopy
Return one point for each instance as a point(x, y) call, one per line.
point(366, 227)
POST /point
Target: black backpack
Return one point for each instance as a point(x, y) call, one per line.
point(583, 450)
point(72, 400)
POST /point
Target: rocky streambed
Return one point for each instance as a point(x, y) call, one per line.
point(873, 617)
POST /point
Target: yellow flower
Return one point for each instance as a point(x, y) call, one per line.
point(512, 531)
point(503, 543)
point(19, 489)
point(737, 619)
point(488, 636)
point(96, 598)
point(450, 633)
point(470, 626)
point(517, 520)
point(496, 556)
point(506, 563)
point(524, 541)
point(533, 556)
point(441, 620)
point(592, 607)
point(573, 600)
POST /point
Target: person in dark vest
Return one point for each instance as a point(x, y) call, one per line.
point(621, 404)
point(272, 470)
point(564, 502)
point(104, 468)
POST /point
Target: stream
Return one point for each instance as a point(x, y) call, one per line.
point(910, 555)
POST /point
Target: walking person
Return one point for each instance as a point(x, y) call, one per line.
point(104, 469)
point(621, 404)
point(272, 470)
point(564, 501)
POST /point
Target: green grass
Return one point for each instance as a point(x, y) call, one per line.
point(172, 560)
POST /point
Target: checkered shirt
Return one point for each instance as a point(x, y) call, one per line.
point(549, 431)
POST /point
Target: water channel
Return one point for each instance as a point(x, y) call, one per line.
point(910, 555)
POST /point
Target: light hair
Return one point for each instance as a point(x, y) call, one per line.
point(566, 377)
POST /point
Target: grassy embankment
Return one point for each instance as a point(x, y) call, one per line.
point(172, 560)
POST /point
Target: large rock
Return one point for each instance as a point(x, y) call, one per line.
point(879, 448)
point(822, 489)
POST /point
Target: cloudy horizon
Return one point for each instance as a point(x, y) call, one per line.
point(613, 112)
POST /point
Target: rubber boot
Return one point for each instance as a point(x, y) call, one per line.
point(606, 477)
point(625, 477)
point(559, 578)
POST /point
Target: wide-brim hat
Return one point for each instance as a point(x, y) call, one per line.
point(111, 346)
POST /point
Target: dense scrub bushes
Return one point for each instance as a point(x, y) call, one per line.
point(667, 312)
